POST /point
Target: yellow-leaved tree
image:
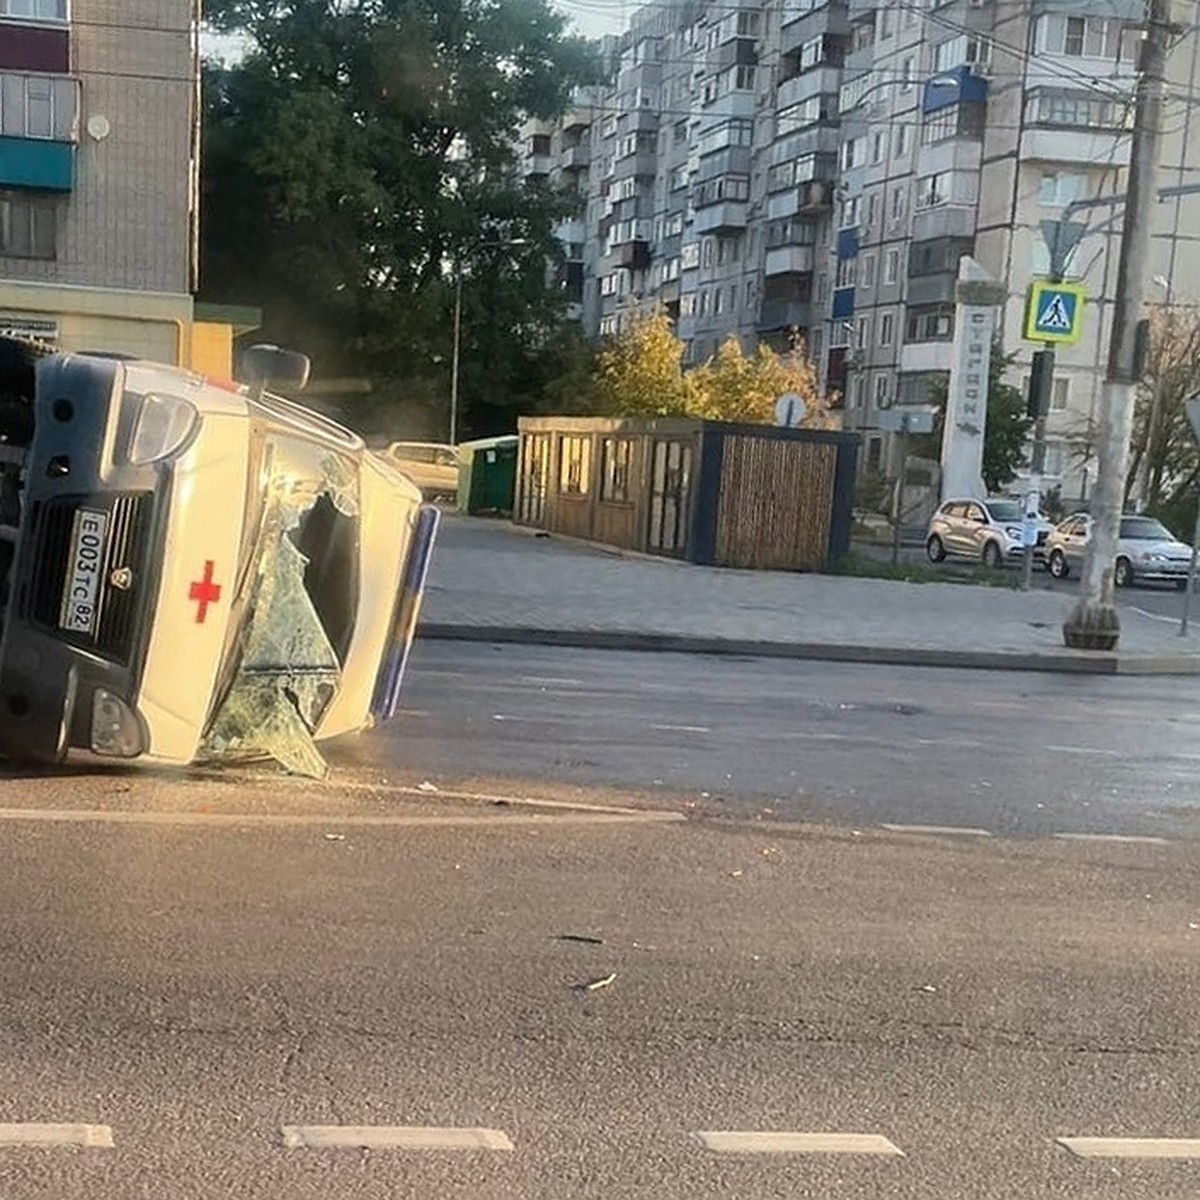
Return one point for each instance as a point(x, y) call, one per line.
point(640, 373)
point(736, 386)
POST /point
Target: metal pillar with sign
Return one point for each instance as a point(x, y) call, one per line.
point(1192, 408)
point(977, 297)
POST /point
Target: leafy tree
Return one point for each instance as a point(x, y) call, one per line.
point(359, 161)
point(734, 386)
point(1172, 462)
point(1006, 433)
point(640, 373)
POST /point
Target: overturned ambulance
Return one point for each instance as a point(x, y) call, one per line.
point(192, 570)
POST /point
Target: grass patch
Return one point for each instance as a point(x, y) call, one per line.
point(856, 565)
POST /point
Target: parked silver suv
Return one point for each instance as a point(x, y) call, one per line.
point(1146, 551)
point(988, 531)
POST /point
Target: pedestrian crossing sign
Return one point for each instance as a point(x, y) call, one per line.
point(1054, 312)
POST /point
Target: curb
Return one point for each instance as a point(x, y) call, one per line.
point(1081, 663)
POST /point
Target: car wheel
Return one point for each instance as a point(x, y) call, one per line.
point(1123, 573)
point(992, 558)
point(935, 549)
point(1057, 565)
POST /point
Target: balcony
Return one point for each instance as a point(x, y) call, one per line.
point(536, 166)
point(803, 87)
point(633, 256)
point(576, 158)
point(40, 48)
point(725, 214)
point(786, 314)
point(925, 357)
point(932, 289)
point(1108, 146)
point(953, 154)
point(640, 165)
point(789, 260)
point(33, 163)
point(843, 304)
point(813, 197)
point(739, 52)
point(944, 221)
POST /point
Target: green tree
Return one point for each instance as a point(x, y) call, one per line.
point(735, 386)
point(1006, 434)
point(639, 372)
point(358, 160)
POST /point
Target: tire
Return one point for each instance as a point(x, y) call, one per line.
point(1123, 573)
point(1057, 565)
point(935, 549)
point(992, 558)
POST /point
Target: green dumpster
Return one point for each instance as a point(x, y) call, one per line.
point(487, 474)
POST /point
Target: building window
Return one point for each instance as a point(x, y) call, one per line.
point(930, 325)
point(878, 146)
point(887, 328)
point(28, 226)
point(1060, 392)
point(897, 210)
point(574, 461)
point(35, 10)
point(961, 51)
point(891, 266)
point(1058, 189)
point(868, 271)
point(849, 153)
point(872, 210)
point(933, 190)
point(616, 454)
point(847, 272)
point(909, 73)
point(862, 335)
point(900, 143)
point(860, 392)
point(882, 383)
point(1084, 110)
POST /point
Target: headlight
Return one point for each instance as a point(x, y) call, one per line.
point(116, 729)
point(163, 425)
point(1014, 532)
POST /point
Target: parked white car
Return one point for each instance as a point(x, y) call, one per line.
point(1147, 551)
point(988, 531)
point(432, 466)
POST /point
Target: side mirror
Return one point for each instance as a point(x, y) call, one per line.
point(265, 366)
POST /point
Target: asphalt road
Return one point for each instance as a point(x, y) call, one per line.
point(192, 983)
point(1011, 753)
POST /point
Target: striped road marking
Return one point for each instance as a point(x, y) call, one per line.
point(682, 728)
point(1129, 838)
point(392, 1137)
point(32, 1134)
point(955, 830)
point(754, 1142)
point(1094, 1147)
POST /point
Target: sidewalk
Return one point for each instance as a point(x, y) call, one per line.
point(491, 582)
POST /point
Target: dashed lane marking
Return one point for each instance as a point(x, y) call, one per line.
point(392, 1137)
point(1089, 750)
point(682, 728)
point(949, 830)
point(1129, 838)
point(1099, 1147)
point(766, 1142)
point(33, 1134)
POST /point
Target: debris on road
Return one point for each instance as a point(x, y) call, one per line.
point(426, 786)
point(596, 984)
point(335, 837)
point(585, 938)
point(927, 988)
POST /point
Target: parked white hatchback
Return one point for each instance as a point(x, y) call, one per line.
point(1147, 551)
point(987, 531)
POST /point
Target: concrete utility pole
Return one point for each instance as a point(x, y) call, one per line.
point(1093, 623)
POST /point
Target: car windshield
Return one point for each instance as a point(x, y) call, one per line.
point(1005, 510)
point(1145, 529)
point(291, 632)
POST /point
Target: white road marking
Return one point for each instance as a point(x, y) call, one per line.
point(1098, 1147)
point(1135, 839)
point(957, 830)
point(392, 1137)
point(766, 1142)
point(547, 681)
point(958, 743)
point(682, 728)
point(511, 717)
point(570, 816)
point(33, 1134)
point(1085, 750)
point(1153, 616)
point(824, 737)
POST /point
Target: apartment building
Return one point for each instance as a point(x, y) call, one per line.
point(818, 170)
point(99, 162)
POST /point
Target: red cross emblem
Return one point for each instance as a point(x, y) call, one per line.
point(204, 592)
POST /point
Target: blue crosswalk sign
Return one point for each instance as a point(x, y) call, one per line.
point(1054, 312)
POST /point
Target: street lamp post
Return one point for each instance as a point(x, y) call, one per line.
point(455, 354)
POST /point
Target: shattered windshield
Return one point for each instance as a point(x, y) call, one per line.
point(300, 587)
